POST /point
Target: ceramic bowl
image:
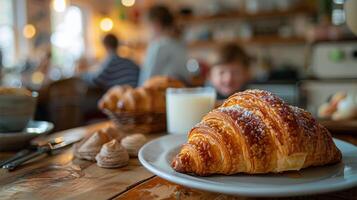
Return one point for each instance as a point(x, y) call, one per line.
point(17, 107)
point(18, 140)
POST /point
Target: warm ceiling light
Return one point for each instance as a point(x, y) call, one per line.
point(29, 31)
point(106, 24)
point(59, 5)
point(128, 3)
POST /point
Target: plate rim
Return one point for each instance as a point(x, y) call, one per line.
point(249, 192)
point(50, 127)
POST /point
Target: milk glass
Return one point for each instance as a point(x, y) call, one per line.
point(186, 107)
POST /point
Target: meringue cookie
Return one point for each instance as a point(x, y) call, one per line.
point(112, 155)
point(90, 147)
point(133, 143)
point(113, 133)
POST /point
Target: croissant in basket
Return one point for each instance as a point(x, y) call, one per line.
point(163, 82)
point(142, 100)
point(110, 99)
point(255, 132)
point(148, 98)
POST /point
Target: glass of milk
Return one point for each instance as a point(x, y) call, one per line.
point(186, 106)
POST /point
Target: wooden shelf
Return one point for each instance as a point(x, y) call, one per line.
point(242, 15)
point(260, 40)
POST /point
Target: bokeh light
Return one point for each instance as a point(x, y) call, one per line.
point(128, 3)
point(29, 31)
point(59, 5)
point(106, 24)
point(37, 78)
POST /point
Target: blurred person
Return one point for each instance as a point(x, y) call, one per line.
point(44, 65)
point(231, 74)
point(166, 54)
point(36, 68)
point(115, 70)
point(82, 65)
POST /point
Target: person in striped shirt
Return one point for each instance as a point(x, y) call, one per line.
point(115, 70)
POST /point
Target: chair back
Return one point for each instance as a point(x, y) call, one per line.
point(65, 99)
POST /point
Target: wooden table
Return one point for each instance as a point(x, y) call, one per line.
point(62, 176)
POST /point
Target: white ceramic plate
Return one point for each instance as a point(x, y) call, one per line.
point(156, 156)
point(18, 140)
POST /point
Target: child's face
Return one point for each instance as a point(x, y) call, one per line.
point(229, 78)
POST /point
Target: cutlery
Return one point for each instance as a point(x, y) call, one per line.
point(18, 155)
point(49, 148)
point(30, 149)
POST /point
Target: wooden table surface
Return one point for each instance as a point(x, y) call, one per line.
point(61, 176)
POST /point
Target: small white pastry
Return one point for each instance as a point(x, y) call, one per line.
point(112, 155)
point(325, 111)
point(346, 109)
point(337, 97)
point(132, 143)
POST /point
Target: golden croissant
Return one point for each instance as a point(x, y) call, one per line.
point(255, 132)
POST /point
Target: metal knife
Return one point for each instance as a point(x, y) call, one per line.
point(18, 155)
point(48, 148)
point(30, 149)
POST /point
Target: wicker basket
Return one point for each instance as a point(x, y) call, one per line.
point(138, 122)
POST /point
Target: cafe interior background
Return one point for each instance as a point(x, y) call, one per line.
point(301, 50)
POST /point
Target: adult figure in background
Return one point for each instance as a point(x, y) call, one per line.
point(166, 55)
point(115, 70)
